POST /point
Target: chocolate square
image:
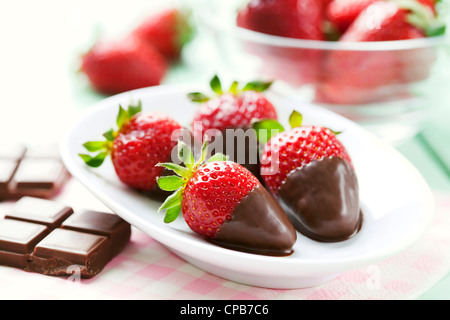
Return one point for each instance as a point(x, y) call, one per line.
point(117, 230)
point(17, 239)
point(19, 236)
point(63, 250)
point(42, 211)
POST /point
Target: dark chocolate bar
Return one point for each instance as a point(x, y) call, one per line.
point(43, 236)
point(37, 172)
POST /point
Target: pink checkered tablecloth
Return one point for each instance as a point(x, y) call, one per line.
point(148, 270)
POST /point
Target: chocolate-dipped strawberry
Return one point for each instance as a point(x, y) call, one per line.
point(228, 115)
point(310, 173)
point(227, 205)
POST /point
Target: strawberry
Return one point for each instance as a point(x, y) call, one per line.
point(168, 31)
point(226, 112)
point(287, 18)
point(141, 141)
point(118, 66)
point(224, 203)
point(290, 150)
point(311, 174)
point(299, 19)
point(235, 108)
point(342, 13)
point(358, 77)
point(391, 24)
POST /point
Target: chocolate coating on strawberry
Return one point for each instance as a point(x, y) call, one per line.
point(228, 116)
point(322, 200)
point(224, 203)
point(310, 173)
point(259, 225)
point(292, 149)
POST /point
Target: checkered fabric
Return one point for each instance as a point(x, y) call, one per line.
point(148, 270)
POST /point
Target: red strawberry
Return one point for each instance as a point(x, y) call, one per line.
point(295, 148)
point(342, 13)
point(119, 66)
point(300, 19)
point(287, 18)
point(382, 21)
point(234, 109)
point(224, 203)
point(141, 141)
point(242, 18)
point(358, 77)
point(168, 31)
point(311, 174)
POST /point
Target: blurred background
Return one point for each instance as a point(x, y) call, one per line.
point(42, 42)
point(42, 89)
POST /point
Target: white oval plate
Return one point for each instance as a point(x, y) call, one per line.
point(397, 203)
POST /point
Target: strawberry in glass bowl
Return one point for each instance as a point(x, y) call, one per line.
point(378, 62)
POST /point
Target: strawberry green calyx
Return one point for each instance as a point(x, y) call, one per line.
point(423, 17)
point(103, 148)
point(177, 183)
point(217, 88)
point(267, 128)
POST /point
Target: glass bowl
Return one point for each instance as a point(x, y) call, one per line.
point(389, 87)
